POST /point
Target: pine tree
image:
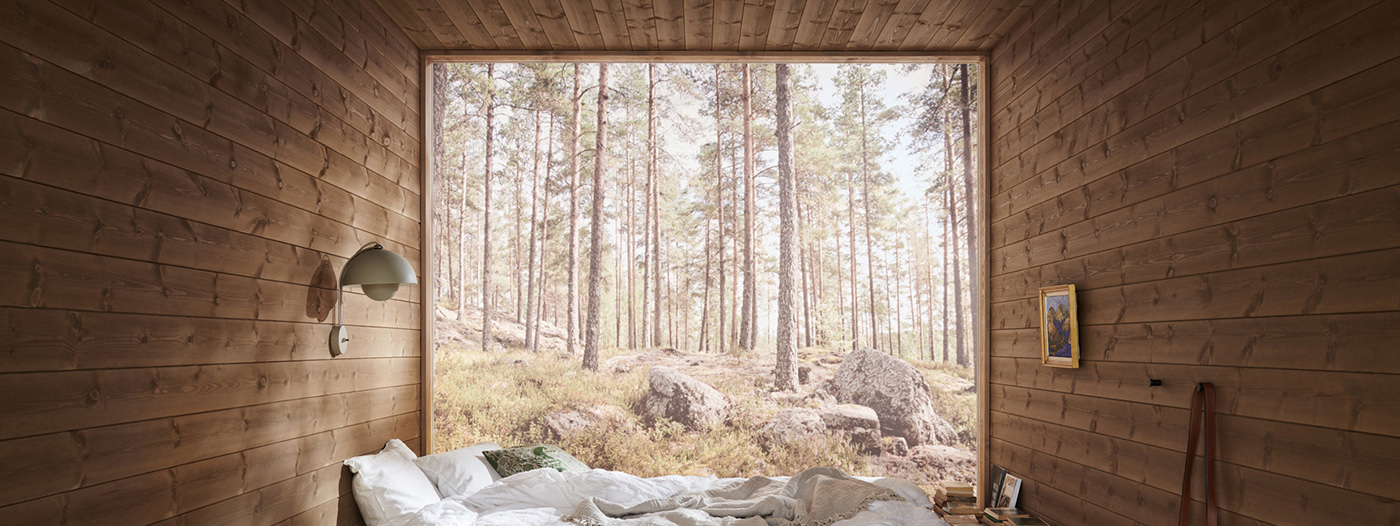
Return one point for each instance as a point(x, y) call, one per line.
point(593, 331)
point(785, 371)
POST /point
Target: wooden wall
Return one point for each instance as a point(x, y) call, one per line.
point(1221, 180)
point(179, 183)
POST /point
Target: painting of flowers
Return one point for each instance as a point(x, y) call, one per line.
point(1059, 327)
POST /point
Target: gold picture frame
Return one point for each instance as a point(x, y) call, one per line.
point(1059, 326)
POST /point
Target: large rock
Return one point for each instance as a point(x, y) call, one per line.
point(795, 425)
point(858, 422)
point(683, 399)
point(568, 422)
point(898, 394)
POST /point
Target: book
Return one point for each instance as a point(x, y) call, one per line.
point(960, 519)
point(1025, 521)
point(1010, 490)
point(952, 487)
point(1004, 513)
point(994, 481)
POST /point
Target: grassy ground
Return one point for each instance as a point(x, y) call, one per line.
point(505, 396)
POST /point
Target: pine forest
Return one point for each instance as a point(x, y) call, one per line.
point(751, 227)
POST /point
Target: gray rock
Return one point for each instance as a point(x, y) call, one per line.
point(858, 422)
point(804, 374)
point(795, 425)
point(898, 394)
point(896, 446)
point(684, 400)
point(568, 422)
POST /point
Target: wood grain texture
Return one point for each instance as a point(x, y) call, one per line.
point(179, 184)
point(706, 25)
point(1218, 180)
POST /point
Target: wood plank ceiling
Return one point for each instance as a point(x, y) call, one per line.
point(706, 25)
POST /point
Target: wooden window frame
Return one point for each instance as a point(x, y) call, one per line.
point(982, 216)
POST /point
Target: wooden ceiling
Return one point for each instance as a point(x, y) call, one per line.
point(706, 25)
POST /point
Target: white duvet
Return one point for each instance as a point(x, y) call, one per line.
point(543, 497)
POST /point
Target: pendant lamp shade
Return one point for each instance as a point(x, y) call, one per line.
point(378, 272)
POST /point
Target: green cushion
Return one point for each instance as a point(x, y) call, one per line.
point(508, 462)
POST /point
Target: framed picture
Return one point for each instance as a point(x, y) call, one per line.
point(1010, 492)
point(1059, 327)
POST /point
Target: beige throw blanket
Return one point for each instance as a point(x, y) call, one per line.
point(816, 497)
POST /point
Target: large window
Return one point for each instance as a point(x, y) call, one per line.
point(622, 227)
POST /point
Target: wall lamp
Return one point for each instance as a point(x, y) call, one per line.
point(378, 272)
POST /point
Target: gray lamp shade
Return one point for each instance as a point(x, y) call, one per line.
point(379, 272)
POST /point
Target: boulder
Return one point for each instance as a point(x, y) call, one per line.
point(568, 422)
point(896, 446)
point(858, 422)
point(684, 400)
point(804, 374)
point(898, 394)
point(795, 425)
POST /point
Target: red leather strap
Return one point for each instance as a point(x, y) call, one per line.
point(1202, 405)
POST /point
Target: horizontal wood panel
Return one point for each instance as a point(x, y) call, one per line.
point(1120, 466)
point(1361, 462)
point(56, 279)
point(270, 483)
point(52, 156)
point(57, 340)
point(1217, 180)
point(1114, 136)
point(1363, 343)
point(727, 25)
point(1226, 166)
point(58, 401)
point(1325, 399)
point(129, 71)
point(187, 178)
point(66, 461)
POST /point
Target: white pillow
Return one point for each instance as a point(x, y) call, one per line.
point(388, 485)
point(461, 471)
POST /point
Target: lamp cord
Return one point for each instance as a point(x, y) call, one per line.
point(340, 285)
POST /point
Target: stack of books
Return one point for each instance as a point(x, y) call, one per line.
point(956, 498)
point(1009, 517)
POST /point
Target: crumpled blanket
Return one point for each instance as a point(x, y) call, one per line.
point(816, 497)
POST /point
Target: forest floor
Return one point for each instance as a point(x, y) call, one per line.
point(508, 395)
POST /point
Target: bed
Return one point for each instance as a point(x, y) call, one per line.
point(546, 487)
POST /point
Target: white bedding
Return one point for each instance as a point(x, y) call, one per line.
point(543, 497)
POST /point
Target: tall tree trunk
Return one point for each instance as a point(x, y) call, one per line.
point(630, 241)
point(957, 277)
point(748, 324)
point(855, 282)
point(595, 251)
point(571, 343)
point(534, 231)
point(785, 372)
point(539, 308)
point(969, 199)
point(898, 314)
point(719, 192)
point(869, 240)
point(705, 308)
point(948, 336)
point(654, 176)
point(486, 212)
point(805, 262)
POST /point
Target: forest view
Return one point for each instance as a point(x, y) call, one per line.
point(735, 269)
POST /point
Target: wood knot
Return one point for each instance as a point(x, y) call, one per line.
point(94, 396)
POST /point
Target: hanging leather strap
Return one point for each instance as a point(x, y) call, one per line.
point(1202, 404)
